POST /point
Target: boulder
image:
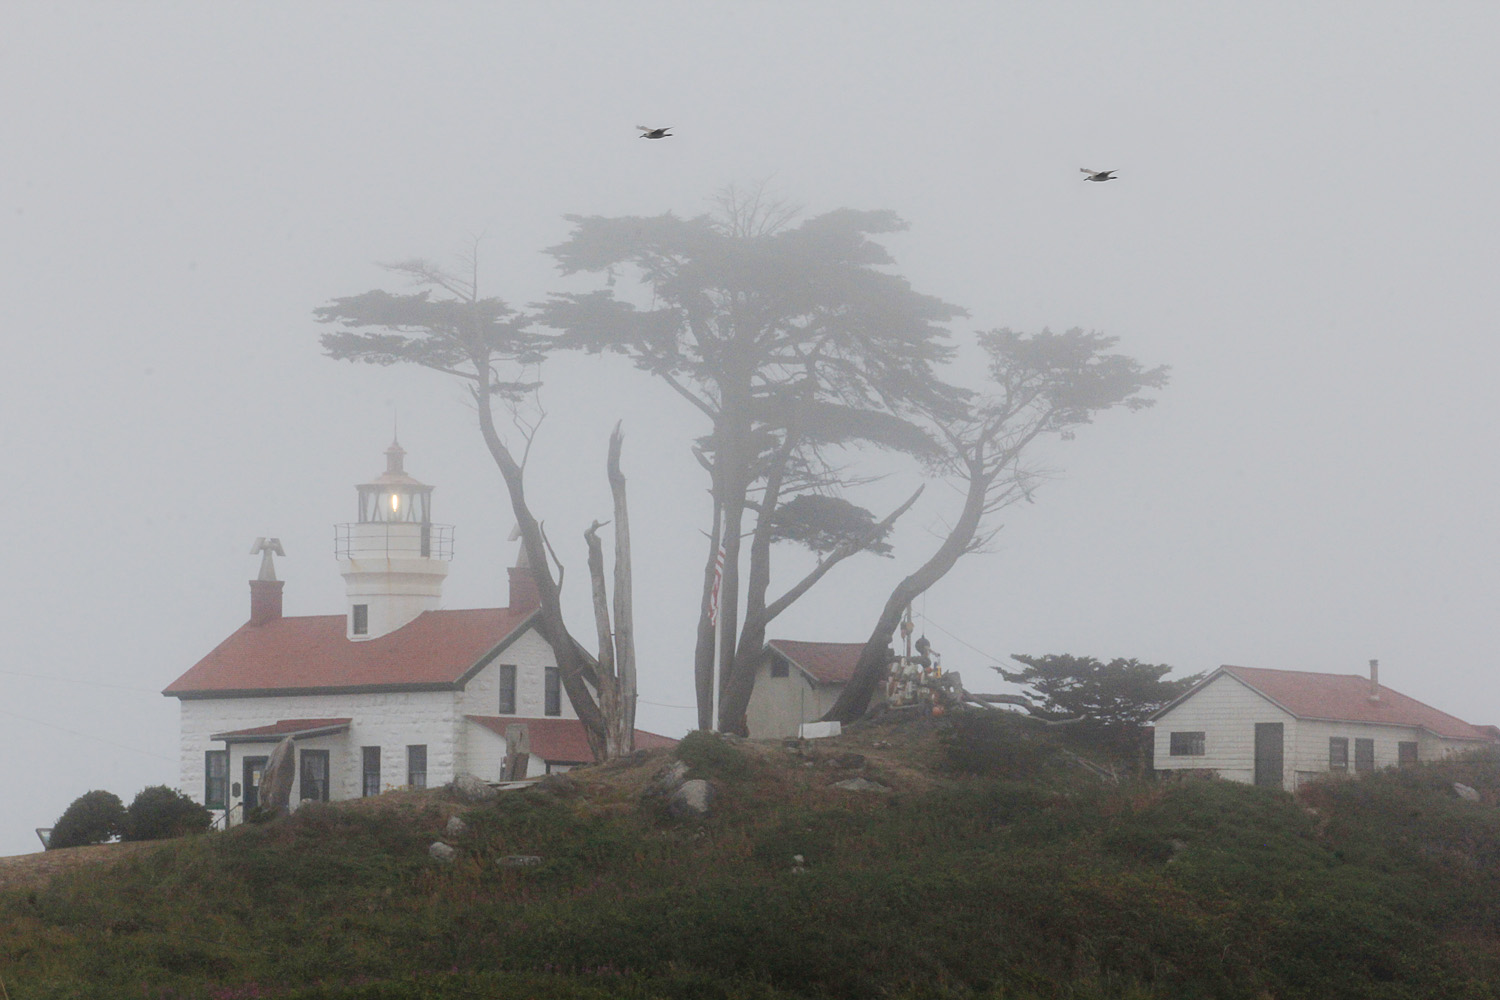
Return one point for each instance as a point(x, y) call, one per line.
point(692, 800)
point(559, 785)
point(860, 785)
point(1465, 792)
point(519, 861)
point(276, 780)
point(467, 788)
point(666, 781)
point(440, 851)
point(456, 828)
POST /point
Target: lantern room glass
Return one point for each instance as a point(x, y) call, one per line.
point(410, 504)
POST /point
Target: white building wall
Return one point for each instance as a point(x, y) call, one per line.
point(391, 721)
point(531, 656)
point(779, 705)
point(1226, 712)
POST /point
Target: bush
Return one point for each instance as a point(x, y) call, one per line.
point(93, 818)
point(709, 755)
point(997, 745)
point(160, 812)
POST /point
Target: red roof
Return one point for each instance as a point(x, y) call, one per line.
point(285, 728)
point(302, 655)
point(824, 662)
point(1345, 698)
point(562, 741)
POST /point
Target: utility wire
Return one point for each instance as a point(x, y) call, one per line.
point(74, 680)
point(86, 736)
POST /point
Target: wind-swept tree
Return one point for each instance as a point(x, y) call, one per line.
point(1041, 384)
point(448, 327)
point(791, 341)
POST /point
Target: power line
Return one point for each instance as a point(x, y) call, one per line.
point(74, 680)
point(86, 736)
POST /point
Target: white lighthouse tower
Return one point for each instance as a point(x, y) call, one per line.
point(393, 558)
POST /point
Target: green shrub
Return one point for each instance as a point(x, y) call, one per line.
point(996, 745)
point(159, 813)
point(710, 755)
point(93, 818)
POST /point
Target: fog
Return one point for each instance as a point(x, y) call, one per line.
point(1303, 227)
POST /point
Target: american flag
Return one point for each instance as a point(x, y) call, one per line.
point(713, 597)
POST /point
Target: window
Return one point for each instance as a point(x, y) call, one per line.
point(554, 693)
point(778, 667)
point(507, 689)
point(314, 775)
point(370, 769)
point(1338, 753)
point(1406, 753)
point(1364, 755)
point(1187, 745)
point(361, 622)
point(416, 765)
point(216, 779)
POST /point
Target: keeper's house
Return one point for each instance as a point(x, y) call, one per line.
point(1280, 728)
point(394, 693)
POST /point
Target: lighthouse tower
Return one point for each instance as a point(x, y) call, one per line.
point(393, 558)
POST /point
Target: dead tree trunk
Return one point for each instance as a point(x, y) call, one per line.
point(616, 645)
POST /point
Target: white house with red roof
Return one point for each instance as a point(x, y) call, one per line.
point(396, 692)
point(1281, 728)
point(798, 682)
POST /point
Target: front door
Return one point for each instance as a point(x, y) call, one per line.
point(1268, 743)
point(255, 769)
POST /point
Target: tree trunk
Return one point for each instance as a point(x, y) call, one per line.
point(874, 659)
point(611, 701)
point(572, 664)
point(624, 597)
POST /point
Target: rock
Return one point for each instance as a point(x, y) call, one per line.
point(440, 851)
point(860, 785)
point(519, 861)
point(558, 784)
point(456, 828)
point(847, 761)
point(692, 800)
point(798, 863)
point(1465, 792)
point(276, 780)
point(666, 781)
point(467, 788)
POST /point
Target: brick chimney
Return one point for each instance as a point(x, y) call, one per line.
point(523, 593)
point(1374, 680)
point(265, 590)
point(265, 600)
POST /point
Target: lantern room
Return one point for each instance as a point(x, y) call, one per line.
point(395, 496)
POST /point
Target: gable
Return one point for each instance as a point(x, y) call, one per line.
point(822, 662)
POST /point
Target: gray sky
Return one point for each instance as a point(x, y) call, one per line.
point(1304, 228)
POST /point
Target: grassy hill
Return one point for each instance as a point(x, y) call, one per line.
point(992, 868)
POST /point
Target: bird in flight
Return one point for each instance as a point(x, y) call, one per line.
point(654, 133)
point(1099, 175)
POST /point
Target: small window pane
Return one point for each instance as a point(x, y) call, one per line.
point(554, 692)
point(1187, 745)
point(361, 619)
point(1338, 753)
point(371, 760)
point(507, 689)
point(216, 779)
point(416, 765)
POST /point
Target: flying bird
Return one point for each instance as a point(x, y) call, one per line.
point(1099, 175)
point(654, 133)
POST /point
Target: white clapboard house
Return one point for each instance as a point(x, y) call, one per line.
point(396, 692)
point(796, 683)
point(1281, 728)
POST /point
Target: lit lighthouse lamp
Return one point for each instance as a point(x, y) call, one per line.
point(393, 558)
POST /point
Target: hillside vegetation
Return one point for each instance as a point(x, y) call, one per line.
point(992, 868)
